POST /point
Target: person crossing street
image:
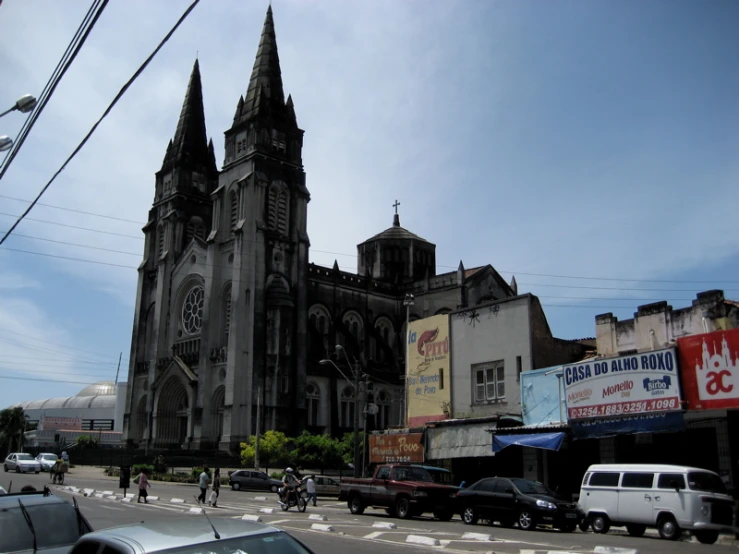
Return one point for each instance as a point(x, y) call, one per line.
point(204, 479)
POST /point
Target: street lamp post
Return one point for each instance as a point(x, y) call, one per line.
point(407, 302)
point(24, 104)
point(356, 375)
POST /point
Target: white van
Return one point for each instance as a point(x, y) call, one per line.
point(670, 498)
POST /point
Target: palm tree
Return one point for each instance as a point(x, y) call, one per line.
point(13, 422)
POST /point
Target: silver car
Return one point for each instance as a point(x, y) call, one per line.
point(21, 463)
point(47, 460)
point(191, 536)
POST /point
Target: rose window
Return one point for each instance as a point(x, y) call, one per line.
point(192, 310)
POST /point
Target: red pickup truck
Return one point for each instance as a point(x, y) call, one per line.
point(403, 490)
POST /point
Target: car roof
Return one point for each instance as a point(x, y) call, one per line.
point(33, 498)
point(645, 467)
point(153, 536)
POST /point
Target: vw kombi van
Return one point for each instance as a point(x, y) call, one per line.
point(670, 498)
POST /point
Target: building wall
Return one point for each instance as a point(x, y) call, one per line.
point(498, 331)
point(658, 325)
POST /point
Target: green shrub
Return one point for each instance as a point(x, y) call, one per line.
point(136, 469)
point(160, 466)
point(277, 475)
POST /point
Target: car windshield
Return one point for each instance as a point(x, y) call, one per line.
point(17, 534)
point(440, 476)
point(707, 482)
point(412, 474)
point(531, 487)
point(25, 457)
point(273, 543)
point(48, 457)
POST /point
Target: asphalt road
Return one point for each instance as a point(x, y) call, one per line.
point(342, 531)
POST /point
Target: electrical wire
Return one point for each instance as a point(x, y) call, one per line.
point(137, 237)
point(80, 36)
point(105, 114)
point(72, 210)
point(46, 341)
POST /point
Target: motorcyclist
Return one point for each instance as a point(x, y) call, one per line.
point(289, 483)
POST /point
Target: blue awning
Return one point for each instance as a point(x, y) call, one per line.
point(547, 441)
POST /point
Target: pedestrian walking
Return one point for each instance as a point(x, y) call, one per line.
point(310, 486)
point(143, 482)
point(216, 488)
point(203, 481)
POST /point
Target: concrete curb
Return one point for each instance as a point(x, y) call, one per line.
point(420, 539)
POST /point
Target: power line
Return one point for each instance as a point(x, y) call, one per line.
point(46, 341)
point(74, 210)
point(44, 380)
point(79, 38)
point(12, 360)
point(137, 237)
point(80, 245)
point(105, 114)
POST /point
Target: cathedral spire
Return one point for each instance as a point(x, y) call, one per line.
point(266, 73)
point(189, 148)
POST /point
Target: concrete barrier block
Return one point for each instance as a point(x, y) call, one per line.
point(177, 500)
point(614, 550)
point(384, 525)
point(266, 510)
point(249, 517)
point(321, 527)
point(99, 495)
point(150, 498)
point(88, 492)
point(477, 537)
point(262, 498)
point(127, 499)
point(111, 497)
point(195, 510)
point(319, 517)
point(420, 539)
point(107, 493)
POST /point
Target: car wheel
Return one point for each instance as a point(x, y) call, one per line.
point(635, 529)
point(18, 469)
point(569, 528)
point(273, 488)
point(584, 525)
point(6, 469)
point(235, 486)
point(356, 506)
point(403, 508)
point(443, 515)
point(601, 524)
point(470, 516)
point(668, 528)
point(526, 520)
point(706, 537)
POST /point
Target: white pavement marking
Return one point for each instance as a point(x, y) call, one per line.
point(111, 497)
point(194, 510)
point(477, 537)
point(319, 517)
point(374, 535)
point(420, 539)
point(267, 510)
point(260, 498)
point(279, 521)
point(384, 525)
point(150, 498)
point(99, 495)
point(321, 527)
point(107, 493)
point(88, 491)
point(614, 550)
point(127, 499)
point(177, 501)
point(249, 517)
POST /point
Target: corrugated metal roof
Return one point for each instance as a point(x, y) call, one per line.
point(528, 429)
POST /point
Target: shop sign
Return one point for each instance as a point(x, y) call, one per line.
point(386, 449)
point(661, 422)
point(60, 423)
point(710, 370)
point(627, 385)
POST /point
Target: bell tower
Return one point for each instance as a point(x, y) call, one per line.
point(261, 207)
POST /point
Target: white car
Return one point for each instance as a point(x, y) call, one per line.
point(47, 460)
point(21, 463)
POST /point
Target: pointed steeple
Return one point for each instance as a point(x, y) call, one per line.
point(212, 156)
point(266, 72)
point(189, 148)
point(290, 107)
point(514, 285)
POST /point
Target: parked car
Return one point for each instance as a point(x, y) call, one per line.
point(325, 486)
point(22, 463)
point(510, 501)
point(47, 460)
point(670, 498)
point(190, 536)
point(49, 522)
point(253, 480)
point(403, 490)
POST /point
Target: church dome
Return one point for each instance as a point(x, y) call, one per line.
point(101, 388)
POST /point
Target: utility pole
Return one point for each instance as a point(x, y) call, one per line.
point(409, 301)
point(356, 419)
point(256, 442)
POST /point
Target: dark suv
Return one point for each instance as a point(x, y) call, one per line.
point(39, 522)
point(513, 500)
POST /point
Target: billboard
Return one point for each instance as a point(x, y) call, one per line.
point(386, 449)
point(540, 405)
point(627, 385)
point(427, 373)
point(57, 423)
point(710, 369)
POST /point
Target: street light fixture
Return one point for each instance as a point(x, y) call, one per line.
point(356, 373)
point(6, 143)
point(409, 301)
point(24, 105)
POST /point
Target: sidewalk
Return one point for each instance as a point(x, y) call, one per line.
point(92, 472)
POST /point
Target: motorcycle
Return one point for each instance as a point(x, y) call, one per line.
point(294, 496)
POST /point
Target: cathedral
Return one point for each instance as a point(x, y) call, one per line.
point(232, 320)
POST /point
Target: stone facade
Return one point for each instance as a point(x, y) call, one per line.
point(230, 315)
point(658, 325)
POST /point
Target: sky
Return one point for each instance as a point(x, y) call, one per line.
point(588, 148)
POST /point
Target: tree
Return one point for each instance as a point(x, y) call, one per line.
point(347, 447)
point(320, 451)
point(13, 423)
point(87, 441)
point(273, 449)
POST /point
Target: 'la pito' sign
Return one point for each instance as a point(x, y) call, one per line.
point(663, 360)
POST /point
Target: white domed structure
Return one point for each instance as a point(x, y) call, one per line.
point(101, 388)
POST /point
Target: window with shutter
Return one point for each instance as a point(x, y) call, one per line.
point(234, 210)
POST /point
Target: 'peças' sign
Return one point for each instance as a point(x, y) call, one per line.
point(385, 449)
point(627, 385)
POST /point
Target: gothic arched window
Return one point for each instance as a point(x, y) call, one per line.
point(384, 328)
point(195, 228)
point(353, 321)
point(347, 407)
point(382, 418)
point(226, 313)
point(160, 240)
point(313, 396)
point(278, 207)
point(234, 214)
point(192, 310)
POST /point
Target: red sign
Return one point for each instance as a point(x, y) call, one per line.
point(387, 449)
point(709, 364)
